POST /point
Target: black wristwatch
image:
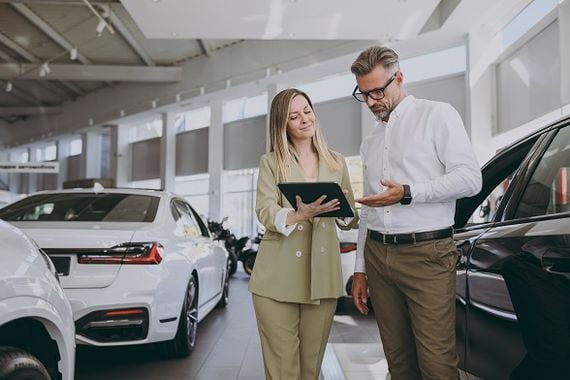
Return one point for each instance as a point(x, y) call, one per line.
point(407, 198)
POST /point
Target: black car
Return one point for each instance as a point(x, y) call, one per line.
point(513, 270)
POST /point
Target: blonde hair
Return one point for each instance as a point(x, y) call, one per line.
point(281, 143)
point(374, 56)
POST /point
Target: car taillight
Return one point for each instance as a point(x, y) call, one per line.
point(129, 253)
point(347, 247)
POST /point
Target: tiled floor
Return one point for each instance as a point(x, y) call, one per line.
point(228, 349)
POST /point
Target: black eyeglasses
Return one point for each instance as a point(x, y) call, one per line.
point(376, 93)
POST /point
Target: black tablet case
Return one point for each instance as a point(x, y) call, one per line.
point(311, 191)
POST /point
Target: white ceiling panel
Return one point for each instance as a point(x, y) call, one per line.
point(281, 19)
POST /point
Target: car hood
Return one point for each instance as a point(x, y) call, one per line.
point(52, 236)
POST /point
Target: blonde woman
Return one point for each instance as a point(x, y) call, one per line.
point(297, 276)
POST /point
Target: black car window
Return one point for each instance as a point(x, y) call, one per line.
point(497, 176)
point(191, 228)
point(203, 228)
point(488, 209)
point(83, 207)
point(547, 190)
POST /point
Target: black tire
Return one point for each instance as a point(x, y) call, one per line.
point(185, 339)
point(233, 262)
point(17, 364)
point(249, 261)
point(225, 300)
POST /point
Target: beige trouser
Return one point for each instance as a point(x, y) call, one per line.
point(293, 337)
point(412, 288)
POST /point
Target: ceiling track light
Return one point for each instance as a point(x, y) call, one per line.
point(102, 24)
point(8, 86)
point(44, 69)
point(73, 54)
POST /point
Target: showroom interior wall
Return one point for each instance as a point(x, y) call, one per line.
point(490, 94)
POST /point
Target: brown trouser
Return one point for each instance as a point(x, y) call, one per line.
point(293, 337)
point(412, 288)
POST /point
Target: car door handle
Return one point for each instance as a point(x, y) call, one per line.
point(557, 261)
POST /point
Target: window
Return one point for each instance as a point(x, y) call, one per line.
point(183, 215)
point(50, 152)
point(244, 108)
point(83, 207)
point(193, 119)
point(75, 147)
point(145, 130)
point(547, 190)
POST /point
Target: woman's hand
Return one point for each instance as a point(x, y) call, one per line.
point(306, 211)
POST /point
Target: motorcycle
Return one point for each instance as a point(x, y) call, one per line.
point(249, 255)
point(236, 247)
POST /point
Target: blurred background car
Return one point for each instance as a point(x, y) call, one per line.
point(138, 266)
point(347, 241)
point(37, 336)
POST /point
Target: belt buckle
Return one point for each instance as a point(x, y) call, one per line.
point(414, 237)
point(384, 239)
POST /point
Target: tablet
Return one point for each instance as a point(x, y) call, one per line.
point(311, 191)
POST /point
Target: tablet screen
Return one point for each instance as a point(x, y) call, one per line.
point(311, 191)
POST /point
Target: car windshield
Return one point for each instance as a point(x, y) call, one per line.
point(83, 207)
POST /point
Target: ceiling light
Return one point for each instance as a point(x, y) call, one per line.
point(100, 27)
point(44, 69)
point(153, 103)
point(73, 54)
point(8, 87)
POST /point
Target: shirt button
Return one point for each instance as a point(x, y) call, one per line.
point(300, 227)
point(298, 253)
point(322, 249)
point(323, 224)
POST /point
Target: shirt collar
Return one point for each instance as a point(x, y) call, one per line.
point(404, 105)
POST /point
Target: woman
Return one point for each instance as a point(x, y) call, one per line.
point(297, 276)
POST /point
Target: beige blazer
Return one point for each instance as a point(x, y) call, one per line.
point(303, 267)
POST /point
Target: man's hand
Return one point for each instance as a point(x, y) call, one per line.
point(359, 292)
point(392, 194)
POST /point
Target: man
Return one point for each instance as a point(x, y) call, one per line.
point(416, 162)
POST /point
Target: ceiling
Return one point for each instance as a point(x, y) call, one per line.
point(35, 32)
point(90, 45)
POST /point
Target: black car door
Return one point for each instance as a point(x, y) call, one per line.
point(474, 216)
point(518, 290)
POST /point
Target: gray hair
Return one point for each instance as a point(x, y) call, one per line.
point(374, 56)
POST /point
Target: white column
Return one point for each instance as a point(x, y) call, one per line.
point(120, 155)
point(564, 25)
point(62, 154)
point(215, 159)
point(272, 90)
point(367, 121)
point(91, 154)
point(482, 51)
point(14, 178)
point(168, 152)
point(33, 177)
point(4, 177)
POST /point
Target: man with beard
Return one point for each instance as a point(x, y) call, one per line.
point(417, 162)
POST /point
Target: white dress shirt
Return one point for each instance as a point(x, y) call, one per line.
point(423, 145)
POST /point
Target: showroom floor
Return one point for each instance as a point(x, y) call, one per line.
point(228, 348)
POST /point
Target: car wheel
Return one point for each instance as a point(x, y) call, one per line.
point(17, 364)
point(185, 339)
point(233, 262)
point(225, 300)
point(249, 261)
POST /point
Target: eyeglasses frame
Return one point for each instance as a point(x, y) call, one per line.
point(368, 93)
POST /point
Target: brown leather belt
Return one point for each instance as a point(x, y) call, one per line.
point(414, 237)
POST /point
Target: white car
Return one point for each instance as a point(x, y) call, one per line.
point(37, 337)
point(138, 266)
point(347, 241)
